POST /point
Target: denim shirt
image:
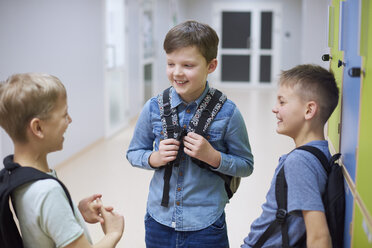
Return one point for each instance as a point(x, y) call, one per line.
point(197, 196)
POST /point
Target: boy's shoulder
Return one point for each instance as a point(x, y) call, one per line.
point(301, 160)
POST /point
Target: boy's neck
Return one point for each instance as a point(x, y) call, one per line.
point(301, 140)
point(24, 155)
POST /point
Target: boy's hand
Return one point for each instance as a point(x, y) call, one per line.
point(90, 209)
point(168, 150)
point(113, 224)
point(198, 147)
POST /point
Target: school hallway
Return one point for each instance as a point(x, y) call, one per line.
point(109, 55)
point(103, 168)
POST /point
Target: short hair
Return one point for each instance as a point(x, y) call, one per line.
point(193, 33)
point(313, 83)
point(26, 96)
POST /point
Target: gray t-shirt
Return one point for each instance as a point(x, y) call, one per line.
point(45, 215)
point(306, 181)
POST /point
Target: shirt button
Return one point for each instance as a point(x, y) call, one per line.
point(178, 189)
point(188, 111)
point(184, 126)
point(161, 132)
point(208, 137)
point(178, 203)
point(180, 174)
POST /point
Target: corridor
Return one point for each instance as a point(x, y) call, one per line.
point(103, 168)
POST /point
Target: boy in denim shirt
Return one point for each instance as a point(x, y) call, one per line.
point(306, 98)
point(195, 215)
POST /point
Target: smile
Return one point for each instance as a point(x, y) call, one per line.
point(180, 82)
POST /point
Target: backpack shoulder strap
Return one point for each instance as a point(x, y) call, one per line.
point(207, 111)
point(171, 129)
point(10, 179)
point(319, 154)
point(168, 115)
point(281, 190)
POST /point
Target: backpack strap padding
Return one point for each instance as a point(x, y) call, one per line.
point(281, 189)
point(319, 154)
point(171, 129)
point(11, 177)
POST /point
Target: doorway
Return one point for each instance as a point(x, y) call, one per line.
point(249, 43)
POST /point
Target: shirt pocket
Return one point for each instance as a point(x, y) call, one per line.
point(215, 133)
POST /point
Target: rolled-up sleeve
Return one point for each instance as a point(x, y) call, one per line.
point(141, 145)
point(238, 160)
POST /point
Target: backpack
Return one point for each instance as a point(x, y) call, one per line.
point(11, 177)
point(200, 122)
point(333, 201)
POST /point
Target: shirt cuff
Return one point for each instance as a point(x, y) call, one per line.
point(224, 165)
point(145, 160)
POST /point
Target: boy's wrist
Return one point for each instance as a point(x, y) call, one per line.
point(215, 159)
point(153, 160)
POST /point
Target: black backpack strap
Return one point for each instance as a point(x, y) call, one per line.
point(11, 177)
point(171, 129)
point(204, 115)
point(207, 110)
point(281, 189)
point(319, 154)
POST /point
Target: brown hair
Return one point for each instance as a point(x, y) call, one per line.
point(192, 33)
point(313, 83)
point(26, 96)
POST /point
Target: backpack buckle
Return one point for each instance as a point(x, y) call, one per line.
point(281, 214)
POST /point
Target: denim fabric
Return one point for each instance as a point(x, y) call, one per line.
point(197, 196)
point(160, 236)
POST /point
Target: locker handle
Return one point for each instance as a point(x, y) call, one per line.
point(340, 63)
point(354, 72)
point(326, 57)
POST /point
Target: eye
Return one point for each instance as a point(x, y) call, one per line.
point(188, 65)
point(170, 64)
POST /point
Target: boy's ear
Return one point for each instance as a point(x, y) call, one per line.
point(212, 66)
point(36, 128)
point(311, 110)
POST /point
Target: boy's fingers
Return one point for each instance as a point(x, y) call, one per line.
point(94, 197)
point(109, 208)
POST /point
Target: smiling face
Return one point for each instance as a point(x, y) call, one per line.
point(290, 111)
point(56, 125)
point(187, 71)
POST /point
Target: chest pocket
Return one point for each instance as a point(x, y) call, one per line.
point(214, 135)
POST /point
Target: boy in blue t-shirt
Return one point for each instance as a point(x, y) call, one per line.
point(306, 98)
point(197, 196)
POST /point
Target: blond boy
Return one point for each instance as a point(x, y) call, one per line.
point(33, 111)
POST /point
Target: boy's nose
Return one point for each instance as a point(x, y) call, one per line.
point(274, 109)
point(69, 119)
point(177, 70)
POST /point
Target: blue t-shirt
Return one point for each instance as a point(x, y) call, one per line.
point(306, 180)
point(197, 196)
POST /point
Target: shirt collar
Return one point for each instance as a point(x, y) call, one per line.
point(176, 99)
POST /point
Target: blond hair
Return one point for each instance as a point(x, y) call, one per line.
point(26, 96)
point(313, 83)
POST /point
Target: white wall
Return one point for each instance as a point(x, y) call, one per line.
point(133, 38)
point(63, 38)
point(314, 34)
point(163, 23)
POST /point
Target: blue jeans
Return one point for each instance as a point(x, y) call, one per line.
point(160, 236)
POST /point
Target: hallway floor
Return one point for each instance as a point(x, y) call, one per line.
point(104, 169)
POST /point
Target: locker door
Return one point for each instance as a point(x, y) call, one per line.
point(349, 26)
point(362, 235)
point(337, 56)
